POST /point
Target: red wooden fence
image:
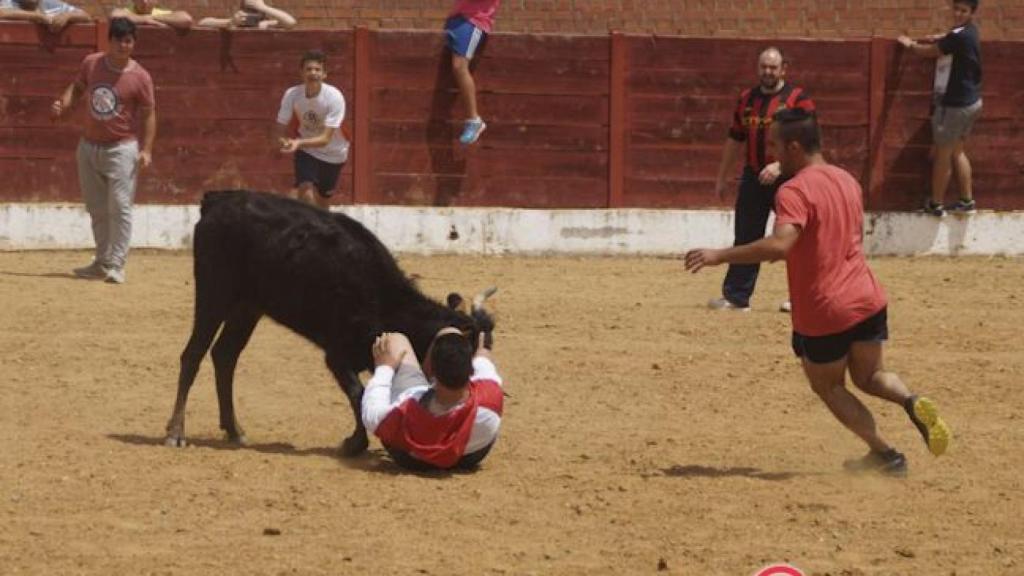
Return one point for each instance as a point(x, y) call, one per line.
point(682, 93)
point(573, 121)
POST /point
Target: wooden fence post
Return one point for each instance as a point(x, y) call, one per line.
point(362, 172)
point(617, 121)
point(102, 30)
point(877, 74)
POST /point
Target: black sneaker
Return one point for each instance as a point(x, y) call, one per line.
point(925, 416)
point(963, 206)
point(934, 208)
point(889, 463)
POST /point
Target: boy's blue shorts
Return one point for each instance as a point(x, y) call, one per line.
point(463, 36)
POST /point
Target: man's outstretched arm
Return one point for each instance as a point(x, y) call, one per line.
point(769, 248)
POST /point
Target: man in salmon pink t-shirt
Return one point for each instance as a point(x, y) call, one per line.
point(119, 96)
point(467, 27)
point(839, 307)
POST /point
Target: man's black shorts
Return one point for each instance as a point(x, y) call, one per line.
point(323, 175)
point(832, 347)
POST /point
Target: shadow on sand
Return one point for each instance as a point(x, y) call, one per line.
point(64, 275)
point(698, 471)
point(375, 461)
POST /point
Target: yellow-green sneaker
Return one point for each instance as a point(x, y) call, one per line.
point(925, 415)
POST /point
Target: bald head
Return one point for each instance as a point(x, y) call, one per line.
point(771, 69)
point(771, 53)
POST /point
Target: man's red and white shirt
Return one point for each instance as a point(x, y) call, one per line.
point(440, 437)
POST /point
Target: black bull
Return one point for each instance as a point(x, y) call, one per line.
point(323, 275)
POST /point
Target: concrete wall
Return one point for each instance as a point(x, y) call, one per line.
point(498, 231)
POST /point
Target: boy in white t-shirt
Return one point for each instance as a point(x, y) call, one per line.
point(321, 149)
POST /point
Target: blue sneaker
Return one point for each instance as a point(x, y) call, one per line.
point(472, 131)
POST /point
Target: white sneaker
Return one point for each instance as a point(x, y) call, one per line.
point(114, 276)
point(93, 271)
point(723, 304)
point(786, 306)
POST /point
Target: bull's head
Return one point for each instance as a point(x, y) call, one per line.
point(482, 320)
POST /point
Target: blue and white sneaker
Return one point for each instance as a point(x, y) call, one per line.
point(963, 206)
point(472, 131)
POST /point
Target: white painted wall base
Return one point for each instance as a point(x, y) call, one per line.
point(515, 231)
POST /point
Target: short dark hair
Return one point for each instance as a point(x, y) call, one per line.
point(972, 3)
point(313, 56)
point(801, 126)
point(121, 27)
point(452, 360)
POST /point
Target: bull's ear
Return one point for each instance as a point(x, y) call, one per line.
point(456, 302)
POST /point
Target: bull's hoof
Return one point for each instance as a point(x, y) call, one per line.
point(354, 445)
point(175, 441)
point(238, 439)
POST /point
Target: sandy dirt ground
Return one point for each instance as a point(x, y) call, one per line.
point(644, 434)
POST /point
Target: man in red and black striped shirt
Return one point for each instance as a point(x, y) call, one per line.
point(760, 179)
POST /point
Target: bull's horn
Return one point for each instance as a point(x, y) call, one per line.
point(478, 300)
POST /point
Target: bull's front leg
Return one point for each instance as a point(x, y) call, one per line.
point(176, 424)
point(233, 338)
point(349, 383)
point(198, 343)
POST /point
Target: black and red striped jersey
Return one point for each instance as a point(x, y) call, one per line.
point(753, 116)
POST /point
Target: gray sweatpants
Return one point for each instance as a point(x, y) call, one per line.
point(106, 174)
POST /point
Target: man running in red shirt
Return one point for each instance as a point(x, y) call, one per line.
point(839, 308)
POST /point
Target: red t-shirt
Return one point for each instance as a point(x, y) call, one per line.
point(114, 98)
point(830, 285)
point(479, 12)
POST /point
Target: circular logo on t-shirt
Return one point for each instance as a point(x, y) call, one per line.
point(311, 120)
point(103, 102)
